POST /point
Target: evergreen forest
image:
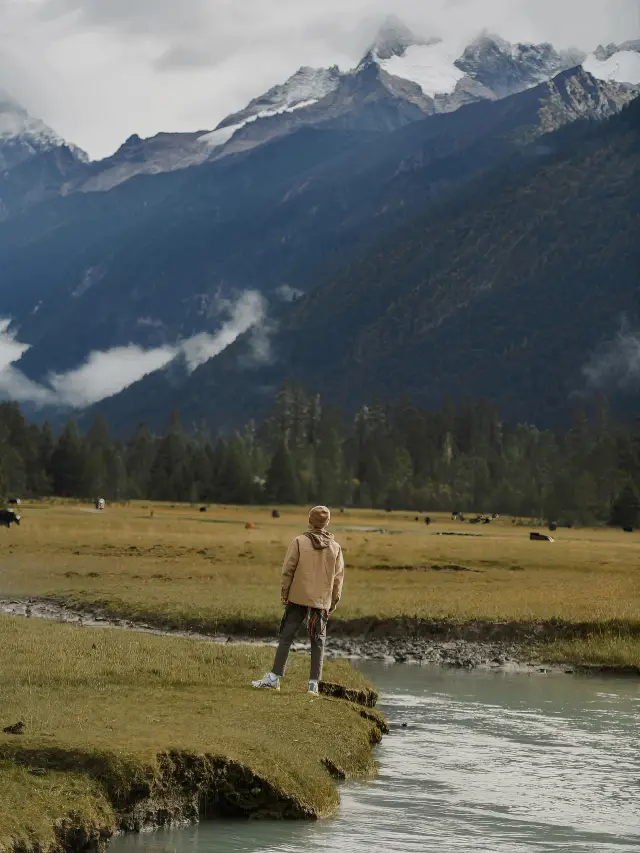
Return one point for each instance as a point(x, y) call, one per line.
point(462, 458)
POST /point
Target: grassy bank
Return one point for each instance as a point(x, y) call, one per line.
point(606, 650)
point(129, 730)
point(182, 568)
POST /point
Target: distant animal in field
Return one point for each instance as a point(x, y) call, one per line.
point(540, 537)
point(427, 520)
point(16, 729)
point(627, 529)
point(8, 517)
point(100, 503)
point(14, 501)
point(275, 514)
point(203, 509)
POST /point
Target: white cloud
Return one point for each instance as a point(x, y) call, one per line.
point(287, 293)
point(100, 70)
point(617, 363)
point(248, 312)
point(106, 373)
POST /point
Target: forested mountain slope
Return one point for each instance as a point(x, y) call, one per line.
point(507, 292)
point(150, 261)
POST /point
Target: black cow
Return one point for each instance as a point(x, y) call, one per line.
point(14, 501)
point(7, 518)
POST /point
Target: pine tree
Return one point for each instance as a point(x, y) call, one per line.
point(625, 511)
point(68, 463)
point(282, 484)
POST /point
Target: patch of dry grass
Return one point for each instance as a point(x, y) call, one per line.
point(618, 651)
point(102, 708)
point(206, 569)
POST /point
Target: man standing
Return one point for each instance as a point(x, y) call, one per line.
point(312, 577)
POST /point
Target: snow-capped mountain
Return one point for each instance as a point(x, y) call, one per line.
point(429, 75)
point(617, 63)
point(305, 88)
point(402, 78)
point(22, 136)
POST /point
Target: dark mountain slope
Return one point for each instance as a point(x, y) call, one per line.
point(288, 212)
point(504, 293)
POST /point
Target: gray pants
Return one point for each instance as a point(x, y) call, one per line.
point(294, 617)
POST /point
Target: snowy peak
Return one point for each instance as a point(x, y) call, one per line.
point(430, 65)
point(617, 66)
point(393, 39)
point(307, 85)
point(506, 68)
point(603, 53)
point(303, 89)
point(22, 136)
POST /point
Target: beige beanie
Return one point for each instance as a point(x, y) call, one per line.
point(319, 517)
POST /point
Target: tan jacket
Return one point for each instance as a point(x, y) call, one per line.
point(313, 577)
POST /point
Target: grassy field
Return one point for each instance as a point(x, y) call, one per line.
point(207, 570)
point(114, 719)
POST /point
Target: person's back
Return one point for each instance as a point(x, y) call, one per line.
point(312, 578)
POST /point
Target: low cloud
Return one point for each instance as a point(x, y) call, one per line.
point(248, 312)
point(105, 373)
point(286, 293)
point(617, 363)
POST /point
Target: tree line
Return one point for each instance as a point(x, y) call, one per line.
point(462, 458)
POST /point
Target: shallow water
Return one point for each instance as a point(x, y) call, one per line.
point(488, 762)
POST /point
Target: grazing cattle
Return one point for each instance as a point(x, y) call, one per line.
point(7, 518)
point(540, 537)
point(628, 529)
point(14, 501)
point(275, 514)
point(553, 526)
point(427, 520)
point(203, 509)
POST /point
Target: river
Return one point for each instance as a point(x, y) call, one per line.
point(487, 762)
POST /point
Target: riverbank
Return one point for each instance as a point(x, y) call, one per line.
point(506, 647)
point(131, 731)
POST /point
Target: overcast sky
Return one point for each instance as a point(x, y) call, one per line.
point(99, 70)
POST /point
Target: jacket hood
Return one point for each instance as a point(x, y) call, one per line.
point(320, 539)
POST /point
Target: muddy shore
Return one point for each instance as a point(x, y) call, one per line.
point(506, 647)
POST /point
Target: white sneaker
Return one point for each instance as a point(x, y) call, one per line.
point(269, 682)
point(313, 688)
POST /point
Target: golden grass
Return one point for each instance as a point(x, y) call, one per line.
point(609, 650)
point(207, 569)
point(31, 806)
point(106, 706)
